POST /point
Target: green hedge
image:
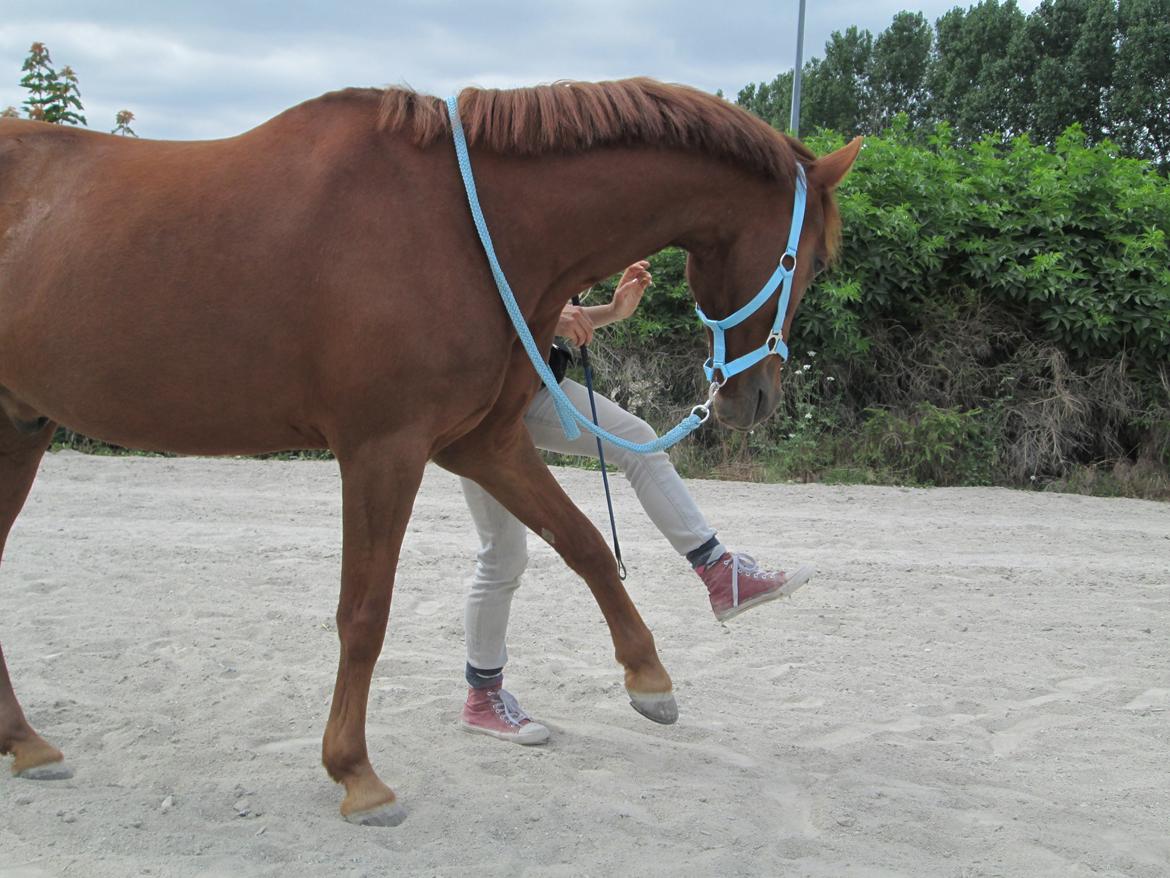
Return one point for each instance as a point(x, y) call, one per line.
point(1007, 304)
point(1070, 241)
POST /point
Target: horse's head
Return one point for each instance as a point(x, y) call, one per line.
point(731, 278)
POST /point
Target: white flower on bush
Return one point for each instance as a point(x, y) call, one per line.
point(830, 378)
point(806, 367)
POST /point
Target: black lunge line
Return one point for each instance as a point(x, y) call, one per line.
point(588, 367)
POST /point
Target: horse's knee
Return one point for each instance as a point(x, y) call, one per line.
point(361, 631)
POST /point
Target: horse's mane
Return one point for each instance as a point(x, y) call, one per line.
point(569, 117)
point(575, 116)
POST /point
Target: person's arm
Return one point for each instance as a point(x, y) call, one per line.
point(577, 322)
point(626, 297)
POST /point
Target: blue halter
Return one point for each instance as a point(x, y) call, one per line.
point(781, 277)
point(572, 421)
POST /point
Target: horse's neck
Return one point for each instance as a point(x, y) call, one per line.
point(563, 223)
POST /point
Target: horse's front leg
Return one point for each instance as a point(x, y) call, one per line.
point(379, 480)
point(21, 449)
point(510, 469)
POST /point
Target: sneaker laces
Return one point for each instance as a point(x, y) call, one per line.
point(508, 708)
point(745, 562)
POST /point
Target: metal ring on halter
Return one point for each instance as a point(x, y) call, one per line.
point(705, 408)
point(774, 340)
point(702, 412)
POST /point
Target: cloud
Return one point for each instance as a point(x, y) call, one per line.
point(211, 69)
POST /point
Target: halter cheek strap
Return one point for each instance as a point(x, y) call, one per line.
point(781, 277)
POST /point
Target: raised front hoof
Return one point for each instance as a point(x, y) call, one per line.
point(48, 771)
point(657, 706)
point(384, 815)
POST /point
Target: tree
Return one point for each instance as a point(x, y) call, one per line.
point(122, 124)
point(1062, 61)
point(772, 101)
point(1103, 65)
point(970, 72)
point(897, 74)
point(66, 107)
point(1140, 103)
point(838, 96)
point(38, 78)
point(53, 97)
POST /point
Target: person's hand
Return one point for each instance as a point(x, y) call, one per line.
point(630, 289)
point(575, 325)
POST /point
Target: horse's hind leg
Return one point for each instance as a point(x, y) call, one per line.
point(21, 450)
point(510, 469)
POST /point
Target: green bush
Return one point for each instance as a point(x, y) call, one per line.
point(934, 446)
point(1070, 242)
point(1000, 314)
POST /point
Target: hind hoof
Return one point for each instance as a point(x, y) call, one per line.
point(384, 815)
point(48, 771)
point(657, 706)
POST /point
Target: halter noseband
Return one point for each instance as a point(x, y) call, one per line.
point(781, 277)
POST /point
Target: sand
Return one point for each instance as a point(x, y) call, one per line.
point(977, 683)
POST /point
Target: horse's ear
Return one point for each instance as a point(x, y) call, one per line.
point(829, 170)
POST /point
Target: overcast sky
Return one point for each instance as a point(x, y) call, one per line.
point(213, 68)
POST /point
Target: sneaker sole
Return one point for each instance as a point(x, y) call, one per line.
point(505, 736)
point(793, 583)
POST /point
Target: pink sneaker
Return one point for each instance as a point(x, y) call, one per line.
point(736, 583)
point(496, 712)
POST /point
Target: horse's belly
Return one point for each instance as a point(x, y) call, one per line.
point(203, 391)
point(185, 391)
point(183, 423)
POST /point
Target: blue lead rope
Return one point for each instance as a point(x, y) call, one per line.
point(571, 419)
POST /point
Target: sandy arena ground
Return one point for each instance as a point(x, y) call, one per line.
point(976, 684)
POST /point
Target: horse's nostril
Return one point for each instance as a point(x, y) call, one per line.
point(759, 413)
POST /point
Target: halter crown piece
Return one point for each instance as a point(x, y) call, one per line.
point(781, 277)
point(571, 419)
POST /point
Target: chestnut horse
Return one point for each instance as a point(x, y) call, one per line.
point(317, 283)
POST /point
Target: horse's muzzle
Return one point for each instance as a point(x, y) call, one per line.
point(745, 402)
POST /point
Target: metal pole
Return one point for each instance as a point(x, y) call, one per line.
point(794, 119)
